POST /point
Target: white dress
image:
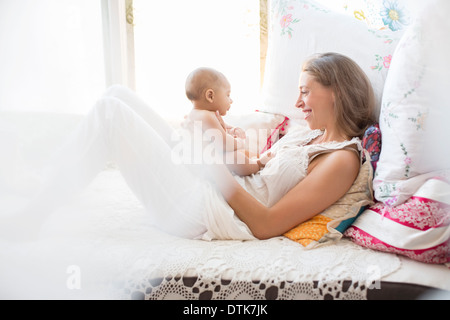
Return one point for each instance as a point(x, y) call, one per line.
point(288, 167)
point(123, 129)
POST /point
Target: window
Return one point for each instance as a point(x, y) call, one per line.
point(171, 38)
point(52, 55)
point(60, 55)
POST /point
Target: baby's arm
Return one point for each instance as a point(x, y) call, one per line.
point(212, 126)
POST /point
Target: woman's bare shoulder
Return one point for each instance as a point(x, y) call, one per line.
point(344, 163)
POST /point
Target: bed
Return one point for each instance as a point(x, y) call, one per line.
point(102, 246)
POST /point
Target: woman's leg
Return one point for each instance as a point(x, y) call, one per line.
point(113, 131)
point(139, 106)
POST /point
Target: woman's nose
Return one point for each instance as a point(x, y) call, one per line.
point(299, 103)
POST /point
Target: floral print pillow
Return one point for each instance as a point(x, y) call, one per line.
point(372, 143)
point(300, 28)
point(415, 109)
point(395, 15)
point(417, 228)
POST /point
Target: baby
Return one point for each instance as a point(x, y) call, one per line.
point(209, 91)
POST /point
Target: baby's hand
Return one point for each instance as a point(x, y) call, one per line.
point(237, 132)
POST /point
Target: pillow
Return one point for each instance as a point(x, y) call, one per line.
point(330, 225)
point(418, 229)
point(300, 28)
point(378, 14)
point(372, 143)
point(416, 108)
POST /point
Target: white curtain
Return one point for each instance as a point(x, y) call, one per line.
point(51, 56)
point(174, 37)
point(53, 65)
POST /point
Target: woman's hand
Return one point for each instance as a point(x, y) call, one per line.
point(236, 132)
point(264, 158)
point(222, 123)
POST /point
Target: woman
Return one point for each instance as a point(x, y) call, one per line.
point(307, 174)
point(337, 101)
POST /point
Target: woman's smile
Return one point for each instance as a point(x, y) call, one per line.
point(307, 113)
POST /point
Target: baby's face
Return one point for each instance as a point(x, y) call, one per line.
point(222, 98)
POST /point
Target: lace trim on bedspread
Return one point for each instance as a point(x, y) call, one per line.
point(271, 269)
point(197, 288)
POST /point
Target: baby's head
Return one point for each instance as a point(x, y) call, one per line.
point(209, 89)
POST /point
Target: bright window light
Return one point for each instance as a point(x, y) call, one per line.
point(51, 56)
point(174, 37)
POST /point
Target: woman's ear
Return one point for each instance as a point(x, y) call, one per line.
point(209, 95)
point(333, 98)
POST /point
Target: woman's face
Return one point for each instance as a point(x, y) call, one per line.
point(316, 102)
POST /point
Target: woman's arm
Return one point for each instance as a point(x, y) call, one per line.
point(234, 131)
point(243, 163)
point(329, 177)
point(237, 159)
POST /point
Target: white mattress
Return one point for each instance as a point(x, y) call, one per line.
point(101, 246)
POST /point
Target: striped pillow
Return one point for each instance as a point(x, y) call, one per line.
point(418, 228)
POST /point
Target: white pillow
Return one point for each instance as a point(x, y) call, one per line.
point(300, 28)
point(416, 108)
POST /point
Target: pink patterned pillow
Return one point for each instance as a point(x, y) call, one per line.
point(418, 228)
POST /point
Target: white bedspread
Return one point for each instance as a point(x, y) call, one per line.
point(101, 246)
